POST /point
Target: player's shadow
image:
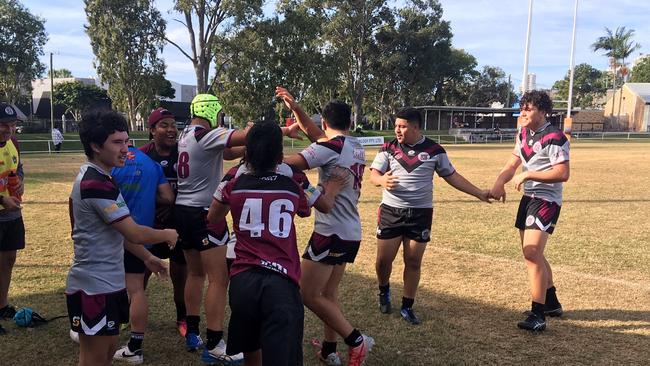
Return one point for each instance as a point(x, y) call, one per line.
point(455, 330)
point(459, 330)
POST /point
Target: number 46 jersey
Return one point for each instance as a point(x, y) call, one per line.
point(263, 208)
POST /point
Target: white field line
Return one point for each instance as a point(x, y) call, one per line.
point(562, 269)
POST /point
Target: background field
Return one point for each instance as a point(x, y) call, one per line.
point(473, 287)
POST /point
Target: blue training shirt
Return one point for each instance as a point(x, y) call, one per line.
point(138, 182)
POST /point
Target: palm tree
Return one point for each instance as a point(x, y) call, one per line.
point(618, 46)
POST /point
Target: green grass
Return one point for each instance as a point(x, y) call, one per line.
point(473, 288)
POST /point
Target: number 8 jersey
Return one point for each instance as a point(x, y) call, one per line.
point(263, 208)
point(200, 164)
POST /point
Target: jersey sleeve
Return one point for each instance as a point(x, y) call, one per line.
point(318, 154)
point(230, 175)
point(105, 199)
point(311, 193)
point(381, 162)
point(559, 153)
point(443, 165)
point(215, 139)
point(224, 194)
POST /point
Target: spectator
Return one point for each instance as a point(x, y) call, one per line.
point(57, 139)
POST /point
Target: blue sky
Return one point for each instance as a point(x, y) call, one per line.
point(493, 31)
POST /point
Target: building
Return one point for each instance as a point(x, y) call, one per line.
point(184, 93)
point(628, 109)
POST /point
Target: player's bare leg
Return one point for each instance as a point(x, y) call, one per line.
point(214, 263)
point(313, 282)
point(138, 316)
point(413, 253)
point(331, 292)
point(193, 296)
point(96, 350)
point(533, 244)
point(194, 283)
point(7, 261)
point(386, 252)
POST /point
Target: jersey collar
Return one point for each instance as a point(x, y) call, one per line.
point(542, 128)
point(421, 140)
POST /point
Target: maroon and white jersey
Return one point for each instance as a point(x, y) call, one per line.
point(539, 151)
point(263, 208)
point(414, 165)
point(200, 164)
point(345, 152)
point(311, 193)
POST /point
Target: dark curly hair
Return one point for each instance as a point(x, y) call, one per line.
point(96, 126)
point(539, 99)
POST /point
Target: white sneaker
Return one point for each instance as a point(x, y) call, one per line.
point(125, 354)
point(74, 336)
point(218, 355)
point(333, 359)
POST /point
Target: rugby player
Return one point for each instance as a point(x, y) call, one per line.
point(200, 165)
point(404, 167)
point(101, 222)
point(142, 183)
point(337, 235)
point(543, 150)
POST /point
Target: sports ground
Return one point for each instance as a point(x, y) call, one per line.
point(473, 288)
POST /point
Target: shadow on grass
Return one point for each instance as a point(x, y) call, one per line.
point(455, 330)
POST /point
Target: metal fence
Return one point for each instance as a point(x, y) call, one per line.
point(74, 146)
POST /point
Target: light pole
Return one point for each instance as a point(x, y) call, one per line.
point(524, 83)
point(568, 121)
point(51, 93)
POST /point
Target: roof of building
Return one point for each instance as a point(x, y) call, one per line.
point(640, 89)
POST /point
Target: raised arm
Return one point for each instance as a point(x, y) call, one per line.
point(313, 132)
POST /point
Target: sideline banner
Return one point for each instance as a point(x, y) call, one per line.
point(374, 140)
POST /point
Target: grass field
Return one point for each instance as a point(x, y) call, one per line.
point(473, 288)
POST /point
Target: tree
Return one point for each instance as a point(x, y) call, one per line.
point(588, 86)
point(350, 30)
point(202, 19)
point(641, 72)
point(457, 82)
point(488, 87)
point(77, 97)
point(401, 70)
point(61, 73)
point(618, 46)
point(22, 37)
point(287, 49)
point(126, 37)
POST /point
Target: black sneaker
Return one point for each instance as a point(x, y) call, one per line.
point(384, 303)
point(553, 310)
point(408, 315)
point(533, 323)
point(7, 312)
